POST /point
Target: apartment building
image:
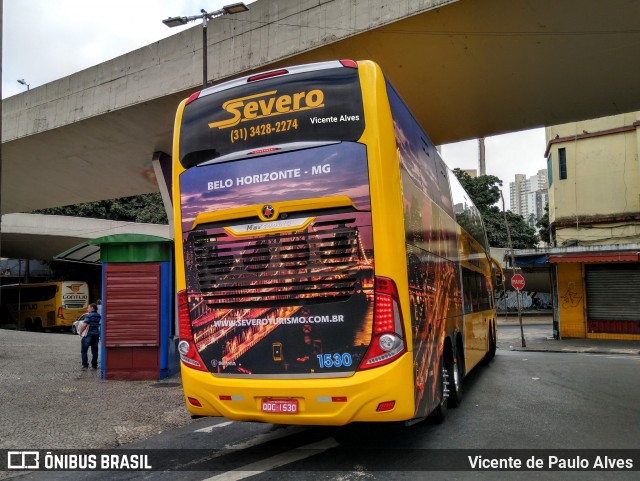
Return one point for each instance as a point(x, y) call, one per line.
point(528, 196)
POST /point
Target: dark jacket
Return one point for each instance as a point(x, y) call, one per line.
point(93, 319)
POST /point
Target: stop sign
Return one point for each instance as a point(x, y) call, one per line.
point(517, 281)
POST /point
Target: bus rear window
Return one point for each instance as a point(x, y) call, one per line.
point(332, 170)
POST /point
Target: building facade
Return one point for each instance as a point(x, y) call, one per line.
point(594, 215)
point(595, 181)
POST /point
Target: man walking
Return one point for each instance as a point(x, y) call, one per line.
point(92, 338)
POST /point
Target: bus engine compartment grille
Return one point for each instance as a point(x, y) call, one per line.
point(320, 264)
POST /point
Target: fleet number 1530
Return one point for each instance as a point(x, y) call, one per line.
point(334, 360)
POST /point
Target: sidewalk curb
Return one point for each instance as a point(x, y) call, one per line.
point(577, 350)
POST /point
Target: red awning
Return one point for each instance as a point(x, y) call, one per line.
point(586, 257)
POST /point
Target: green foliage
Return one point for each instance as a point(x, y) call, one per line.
point(484, 190)
point(485, 193)
point(145, 208)
point(544, 229)
point(523, 236)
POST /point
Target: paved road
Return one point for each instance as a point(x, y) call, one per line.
point(48, 401)
point(526, 403)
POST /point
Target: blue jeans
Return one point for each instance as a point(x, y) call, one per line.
point(90, 340)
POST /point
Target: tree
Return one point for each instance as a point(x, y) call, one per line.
point(523, 236)
point(485, 194)
point(145, 208)
point(544, 229)
point(484, 190)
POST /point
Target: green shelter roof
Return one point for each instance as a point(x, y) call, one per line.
point(128, 239)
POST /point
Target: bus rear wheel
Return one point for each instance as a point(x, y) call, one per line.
point(492, 342)
point(455, 383)
point(440, 413)
point(491, 347)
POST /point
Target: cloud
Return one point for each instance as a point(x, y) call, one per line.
point(47, 40)
point(505, 156)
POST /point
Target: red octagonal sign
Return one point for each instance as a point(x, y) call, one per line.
point(517, 281)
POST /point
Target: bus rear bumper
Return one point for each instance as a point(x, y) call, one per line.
point(320, 401)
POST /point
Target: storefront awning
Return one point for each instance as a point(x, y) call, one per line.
point(529, 261)
point(587, 257)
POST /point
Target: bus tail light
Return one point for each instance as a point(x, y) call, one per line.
point(188, 352)
point(388, 340)
point(60, 313)
point(266, 150)
point(386, 406)
point(349, 63)
point(266, 75)
point(193, 97)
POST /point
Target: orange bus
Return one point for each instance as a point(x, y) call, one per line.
point(330, 267)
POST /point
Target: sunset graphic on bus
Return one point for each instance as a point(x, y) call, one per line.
point(279, 301)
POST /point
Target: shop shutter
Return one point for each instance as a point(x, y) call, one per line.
point(613, 298)
point(132, 305)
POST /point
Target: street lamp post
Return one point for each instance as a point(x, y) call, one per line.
point(23, 82)
point(205, 17)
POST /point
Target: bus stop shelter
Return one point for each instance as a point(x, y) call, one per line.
point(138, 338)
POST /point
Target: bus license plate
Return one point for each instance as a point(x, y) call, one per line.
point(280, 406)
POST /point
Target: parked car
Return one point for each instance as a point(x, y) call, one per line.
point(75, 327)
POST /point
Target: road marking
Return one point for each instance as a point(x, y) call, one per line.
point(276, 461)
point(266, 437)
point(209, 429)
point(280, 432)
point(633, 357)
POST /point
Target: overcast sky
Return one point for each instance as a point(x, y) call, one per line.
point(44, 40)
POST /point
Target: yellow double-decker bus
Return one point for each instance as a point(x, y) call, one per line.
point(43, 305)
point(330, 268)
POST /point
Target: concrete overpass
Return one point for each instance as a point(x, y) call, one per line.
point(24, 235)
point(467, 68)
